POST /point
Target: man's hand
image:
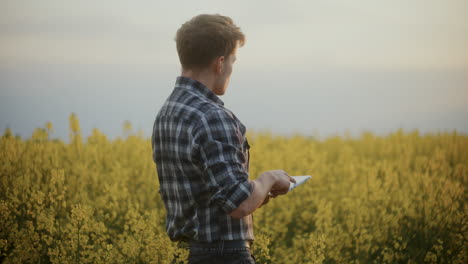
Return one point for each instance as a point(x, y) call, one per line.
point(277, 182)
point(281, 184)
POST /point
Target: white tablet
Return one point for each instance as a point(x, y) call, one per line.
point(299, 180)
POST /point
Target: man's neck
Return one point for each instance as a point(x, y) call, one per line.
point(204, 77)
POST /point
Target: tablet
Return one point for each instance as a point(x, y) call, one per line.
point(299, 180)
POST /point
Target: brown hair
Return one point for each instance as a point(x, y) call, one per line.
point(204, 37)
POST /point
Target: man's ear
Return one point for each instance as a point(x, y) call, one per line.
point(219, 64)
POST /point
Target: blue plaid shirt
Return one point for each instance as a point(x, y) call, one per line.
point(202, 160)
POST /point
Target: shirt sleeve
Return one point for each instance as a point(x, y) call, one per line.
point(220, 155)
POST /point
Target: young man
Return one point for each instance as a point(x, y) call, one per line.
point(202, 154)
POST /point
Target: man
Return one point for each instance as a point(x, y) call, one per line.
point(202, 154)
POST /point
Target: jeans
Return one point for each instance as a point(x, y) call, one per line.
point(236, 255)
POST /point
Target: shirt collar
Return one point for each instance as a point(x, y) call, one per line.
point(198, 87)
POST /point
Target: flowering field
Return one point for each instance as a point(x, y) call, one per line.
point(394, 199)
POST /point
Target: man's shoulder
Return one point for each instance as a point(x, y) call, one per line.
point(190, 106)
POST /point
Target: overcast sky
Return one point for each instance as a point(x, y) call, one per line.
point(313, 67)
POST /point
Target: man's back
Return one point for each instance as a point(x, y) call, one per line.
point(201, 154)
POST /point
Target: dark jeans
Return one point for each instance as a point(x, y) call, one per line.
point(237, 255)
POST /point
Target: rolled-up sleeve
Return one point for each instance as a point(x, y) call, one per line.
point(219, 152)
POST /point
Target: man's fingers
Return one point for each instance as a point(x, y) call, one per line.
point(276, 193)
point(291, 179)
point(282, 186)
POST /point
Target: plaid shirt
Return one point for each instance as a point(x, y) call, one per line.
point(202, 159)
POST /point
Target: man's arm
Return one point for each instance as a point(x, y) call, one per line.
point(217, 151)
point(276, 181)
point(218, 148)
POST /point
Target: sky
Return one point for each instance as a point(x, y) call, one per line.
point(318, 68)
